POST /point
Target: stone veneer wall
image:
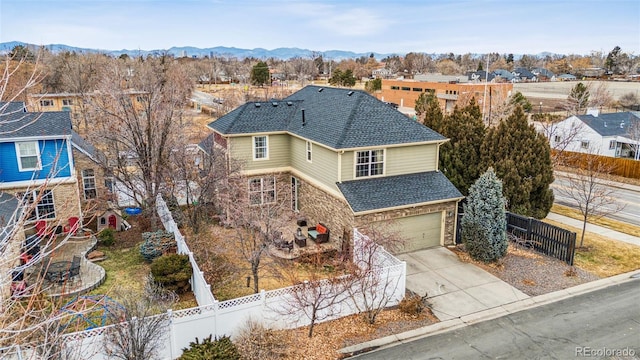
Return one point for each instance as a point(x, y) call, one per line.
point(99, 204)
point(65, 200)
point(318, 206)
point(450, 221)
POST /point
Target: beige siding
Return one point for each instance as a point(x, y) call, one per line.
point(278, 150)
point(324, 162)
point(410, 159)
point(398, 160)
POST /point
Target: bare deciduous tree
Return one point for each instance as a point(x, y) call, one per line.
point(587, 189)
point(139, 327)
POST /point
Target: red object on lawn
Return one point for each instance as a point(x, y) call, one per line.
point(41, 228)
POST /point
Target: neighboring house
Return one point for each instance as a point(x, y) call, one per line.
point(95, 184)
point(504, 75)
point(612, 134)
point(37, 163)
point(566, 77)
point(11, 239)
point(522, 74)
point(405, 92)
point(343, 158)
point(381, 73)
point(543, 74)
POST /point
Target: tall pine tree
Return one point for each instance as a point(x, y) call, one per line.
point(484, 223)
point(428, 110)
point(521, 158)
point(460, 157)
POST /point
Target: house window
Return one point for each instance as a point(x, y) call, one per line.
point(584, 144)
point(369, 163)
point(612, 144)
point(46, 103)
point(108, 183)
point(406, 88)
point(557, 138)
point(67, 102)
point(260, 147)
point(417, 89)
point(39, 204)
point(262, 190)
point(395, 87)
point(309, 151)
point(28, 155)
point(89, 183)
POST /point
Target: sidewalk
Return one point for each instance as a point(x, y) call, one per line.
point(492, 313)
point(606, 232)
point(616, 184)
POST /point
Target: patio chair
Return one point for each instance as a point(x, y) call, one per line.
point(74, 271)
point(72, 228)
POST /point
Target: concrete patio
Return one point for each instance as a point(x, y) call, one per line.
point(91, 275)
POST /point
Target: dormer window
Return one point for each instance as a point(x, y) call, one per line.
point(46, 103)
point(28, 156)
point(369, 163)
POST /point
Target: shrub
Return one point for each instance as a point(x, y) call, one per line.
point(106, 236)
point(218, 349)
point(255, 342)
point(172, 271)
point(412, 304)
point(156, 243)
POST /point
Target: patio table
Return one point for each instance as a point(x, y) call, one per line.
point(58, 271)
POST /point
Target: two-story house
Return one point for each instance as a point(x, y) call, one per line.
point(343, 158)
point(43, 161)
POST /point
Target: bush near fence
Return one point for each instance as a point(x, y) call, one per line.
point(628, 168)
point(538, 235)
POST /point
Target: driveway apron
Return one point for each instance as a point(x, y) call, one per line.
point(455, 288)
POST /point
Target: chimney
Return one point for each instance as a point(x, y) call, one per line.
point(304, 120)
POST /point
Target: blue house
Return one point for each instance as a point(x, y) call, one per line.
point(36, 163)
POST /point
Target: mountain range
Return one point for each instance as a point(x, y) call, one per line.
point(190, 51)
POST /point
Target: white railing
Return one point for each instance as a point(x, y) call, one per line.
point(271, 308)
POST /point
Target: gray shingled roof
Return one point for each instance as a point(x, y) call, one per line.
point(337, 118)
point(8, 205)
point(80, 143)
point(610, 124)
point(397, 191)
point(207, 144)
point(28, 124)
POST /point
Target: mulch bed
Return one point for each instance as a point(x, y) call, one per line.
point(531, 272)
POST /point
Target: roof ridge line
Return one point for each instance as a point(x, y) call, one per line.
point(347, 123)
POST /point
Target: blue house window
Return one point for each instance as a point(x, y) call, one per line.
point(39, 204)
point(369, 163)
point(28, 155)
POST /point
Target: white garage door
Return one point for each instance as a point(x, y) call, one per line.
point(420, 231)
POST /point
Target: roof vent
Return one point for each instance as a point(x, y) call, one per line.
point(257, 104)
point(622, 125)
point(304, 120)
point(605, 124)
point(350, 93)
point(320, 90)
point(274, 103)
point(289, 103)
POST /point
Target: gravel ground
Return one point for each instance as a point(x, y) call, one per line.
point(533, 273)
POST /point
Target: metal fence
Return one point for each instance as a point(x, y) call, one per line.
point(540, 236)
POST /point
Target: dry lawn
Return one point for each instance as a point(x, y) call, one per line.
point(604, 222)
point(603, 256)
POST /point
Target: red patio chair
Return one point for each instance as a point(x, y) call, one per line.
point(74, 224)
point(41, 228)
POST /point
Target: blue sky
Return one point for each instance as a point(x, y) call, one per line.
point(401, 26)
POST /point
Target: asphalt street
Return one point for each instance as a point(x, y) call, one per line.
point(602, 324)
point(628, 197)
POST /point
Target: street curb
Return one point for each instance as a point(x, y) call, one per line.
point(488, 314)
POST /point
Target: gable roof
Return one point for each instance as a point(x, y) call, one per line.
point(610, 124)
point(391, 191)
point(87, 148)
point(17, 124)
point(337, 118)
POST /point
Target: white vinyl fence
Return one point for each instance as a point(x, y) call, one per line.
point(272, 308)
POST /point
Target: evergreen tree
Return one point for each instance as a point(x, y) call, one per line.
point(521, 158)
point(260, 74)
point(484, 223)
point(428, 110)
point(460, 156)
point(519, 99)
point(578, 98)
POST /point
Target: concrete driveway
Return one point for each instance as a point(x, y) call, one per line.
point(455, 288)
